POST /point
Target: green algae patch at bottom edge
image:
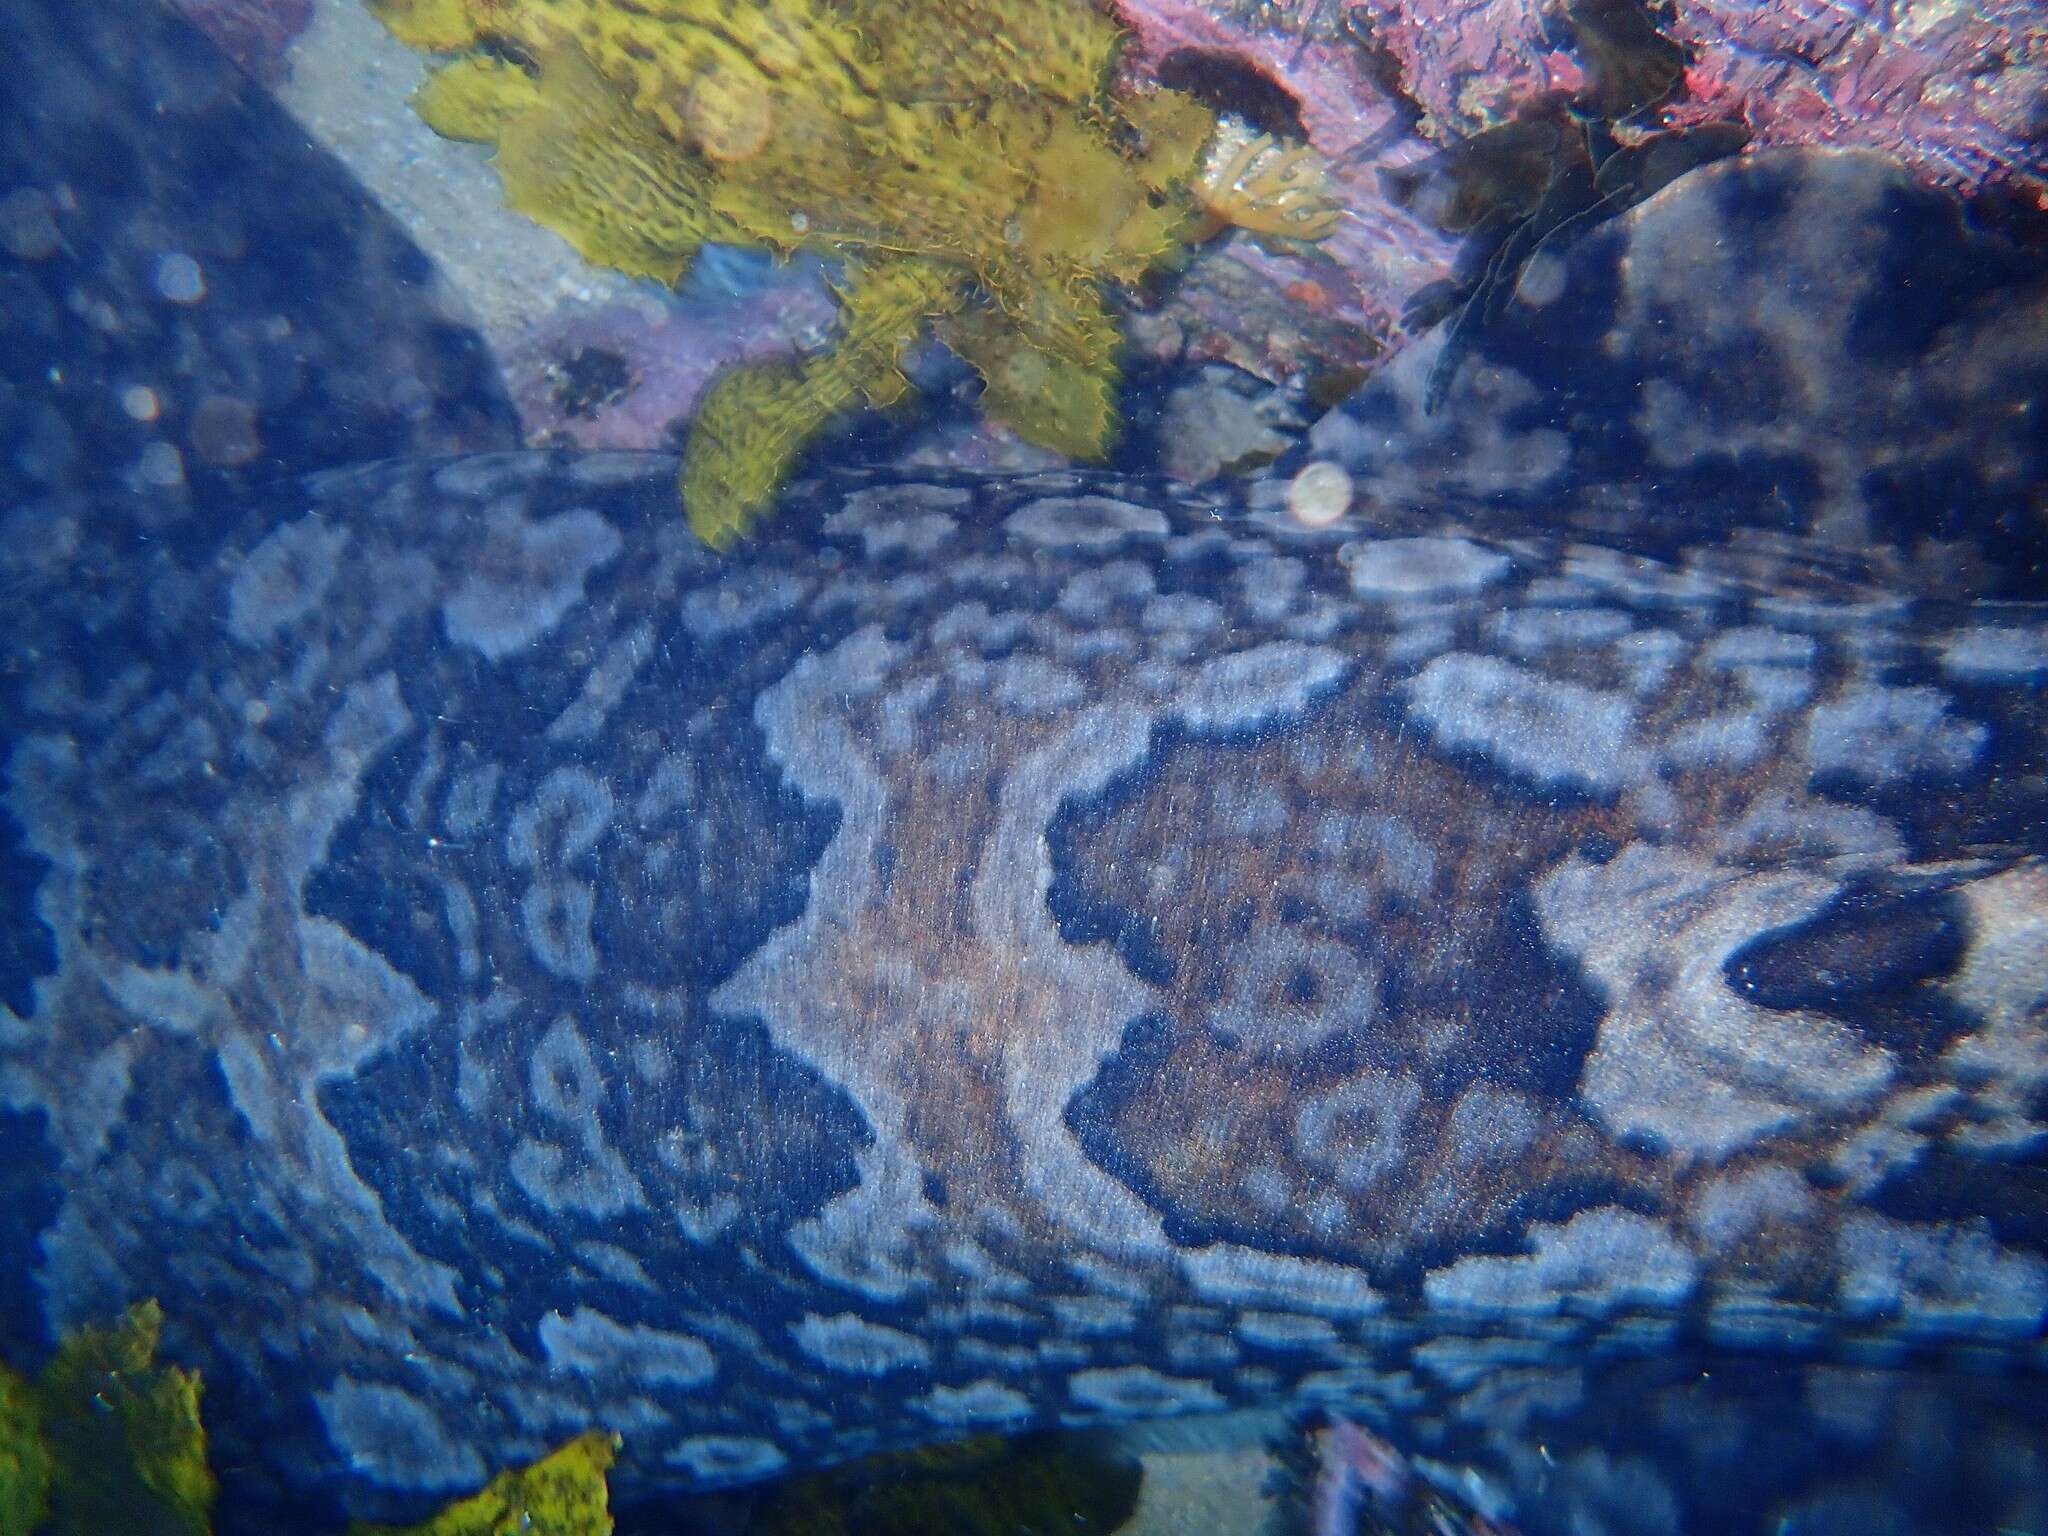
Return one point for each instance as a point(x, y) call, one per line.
point(127, 1453)
point(106, 1442)
point(24, 1463)
point(562, 1494)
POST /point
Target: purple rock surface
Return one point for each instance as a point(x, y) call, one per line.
point(254, 33)
point(1954, 91)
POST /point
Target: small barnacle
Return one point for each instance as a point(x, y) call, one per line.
point(1253, 181)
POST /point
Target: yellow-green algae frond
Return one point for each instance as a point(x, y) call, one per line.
point(24, 1459)
point(106, 1442)
point(562, 1494)
point(967, 160)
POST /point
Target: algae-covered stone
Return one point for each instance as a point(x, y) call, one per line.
point(562, 1494)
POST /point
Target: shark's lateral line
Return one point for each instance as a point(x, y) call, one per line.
point(1554, 963)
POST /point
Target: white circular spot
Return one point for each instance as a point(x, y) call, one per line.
point(140, 402)
point(800, 222)
point(1319, 495)
point(179, 279)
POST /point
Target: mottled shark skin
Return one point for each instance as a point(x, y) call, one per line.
point(1019, 950)
point(1561, 978)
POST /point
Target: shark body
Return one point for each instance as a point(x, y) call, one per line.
point(1552, 963)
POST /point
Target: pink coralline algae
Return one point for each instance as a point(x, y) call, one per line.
point(254, 33)
point(1387, 90)
point(1301, 58)
point(1467, 63)
point(1956, 89)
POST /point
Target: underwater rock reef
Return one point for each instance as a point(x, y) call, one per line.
point(1380, 93)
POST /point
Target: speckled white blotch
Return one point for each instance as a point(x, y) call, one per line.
point(526, 579)
point(1560, 735)
point(1878, 736)
point(589, 1343)
point(284, 579)
point(1257, 687)
point(984, 1402)
point(728, 1458)
point(910, 520)
point(1996, 654)
point(858, 1347)
point(1093, 523)
point(387, 1433)
point(1237, 1276)
point(1138, 1389)
point(1599, 1261)
point(1416, 570)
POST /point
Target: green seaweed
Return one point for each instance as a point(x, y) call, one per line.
point(24, 1461)
point(562, 1494)
point(126, 1450)
point(970, 162)
point(106, 1442)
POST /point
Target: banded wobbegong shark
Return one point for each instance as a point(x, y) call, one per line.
point(1526, 924)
